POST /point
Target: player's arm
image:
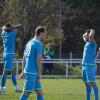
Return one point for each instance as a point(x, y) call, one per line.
point(17, 26)
point(91, 35)
point(22, 73)
point(85, 37)
point(3, 28)
point(13, 27)
point(39, 59)
point(20, 76)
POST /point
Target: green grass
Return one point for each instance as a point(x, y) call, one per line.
point(54, 89)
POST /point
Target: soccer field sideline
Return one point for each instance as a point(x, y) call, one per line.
point(54, 89)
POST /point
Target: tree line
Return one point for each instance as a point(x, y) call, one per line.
point(65, 20)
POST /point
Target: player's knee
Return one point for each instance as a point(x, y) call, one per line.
point(91, 83)
point(26, 93)
point(86, 83)
point(39, 92)
point(13, 72)
point(5, 72)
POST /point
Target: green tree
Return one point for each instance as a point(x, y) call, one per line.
point(79, 15)
point(31, 13)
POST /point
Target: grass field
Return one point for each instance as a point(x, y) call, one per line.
point(54, 89)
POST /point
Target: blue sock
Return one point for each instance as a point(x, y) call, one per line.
point(95, 89)
point(88, 92)
point(13, 78)
point(40, 97)
point(23, 97)
point(3, 80)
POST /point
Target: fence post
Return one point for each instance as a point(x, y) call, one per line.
point(22, 66)
point(70, 58)
point(66, 69)
point(17, 66)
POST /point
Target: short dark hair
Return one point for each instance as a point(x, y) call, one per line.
point(7, 24)
point(87, 31)
point(39, 29)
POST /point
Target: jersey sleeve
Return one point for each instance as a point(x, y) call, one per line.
point(15, 33)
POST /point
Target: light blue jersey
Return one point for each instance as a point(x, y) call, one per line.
point(9, 41)
point(32, 50)
point(9, 48)
point(88, 62)
point(89, 53)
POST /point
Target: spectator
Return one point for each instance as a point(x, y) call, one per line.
point(48, 54)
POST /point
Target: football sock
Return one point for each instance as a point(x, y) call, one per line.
point(13, 78)
point(3, 80)
point(40, 97)
point(23, 97)
point(95, 89)
point(88, 92)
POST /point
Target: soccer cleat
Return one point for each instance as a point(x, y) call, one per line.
point(17, 89)
point(2, 90)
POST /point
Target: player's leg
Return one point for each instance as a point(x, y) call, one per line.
point(6, 69)
point(50, 68)
point(40, 95)
point(24, 95)
point(39, 91)
point(29, 84)
point(87, 86)
point(5, 72)
point(13, 78)
point(3, 81)
point(10, 66)
point(88, 91)
point(92, 82)
point(95, 89)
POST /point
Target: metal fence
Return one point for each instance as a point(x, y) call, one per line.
point(65, 65)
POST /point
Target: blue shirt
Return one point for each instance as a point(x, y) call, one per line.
point(33, 48)
point(89, 53)
point(9, 41)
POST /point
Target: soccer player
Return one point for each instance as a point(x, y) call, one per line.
point(8, 37)
point(89, 65)
point(32, 61)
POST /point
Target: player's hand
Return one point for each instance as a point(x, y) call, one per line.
point(3, 28)
point(92, 31)
point(85, 35)
point(20, 76)
point(39, 77)
point(91, 35)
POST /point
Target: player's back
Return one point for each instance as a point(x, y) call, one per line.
point(9, 41)
point(89, 53)
point(30, 56)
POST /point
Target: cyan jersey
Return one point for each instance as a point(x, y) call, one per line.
point(9, 41)
point(33, 48)
point(89, 53)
